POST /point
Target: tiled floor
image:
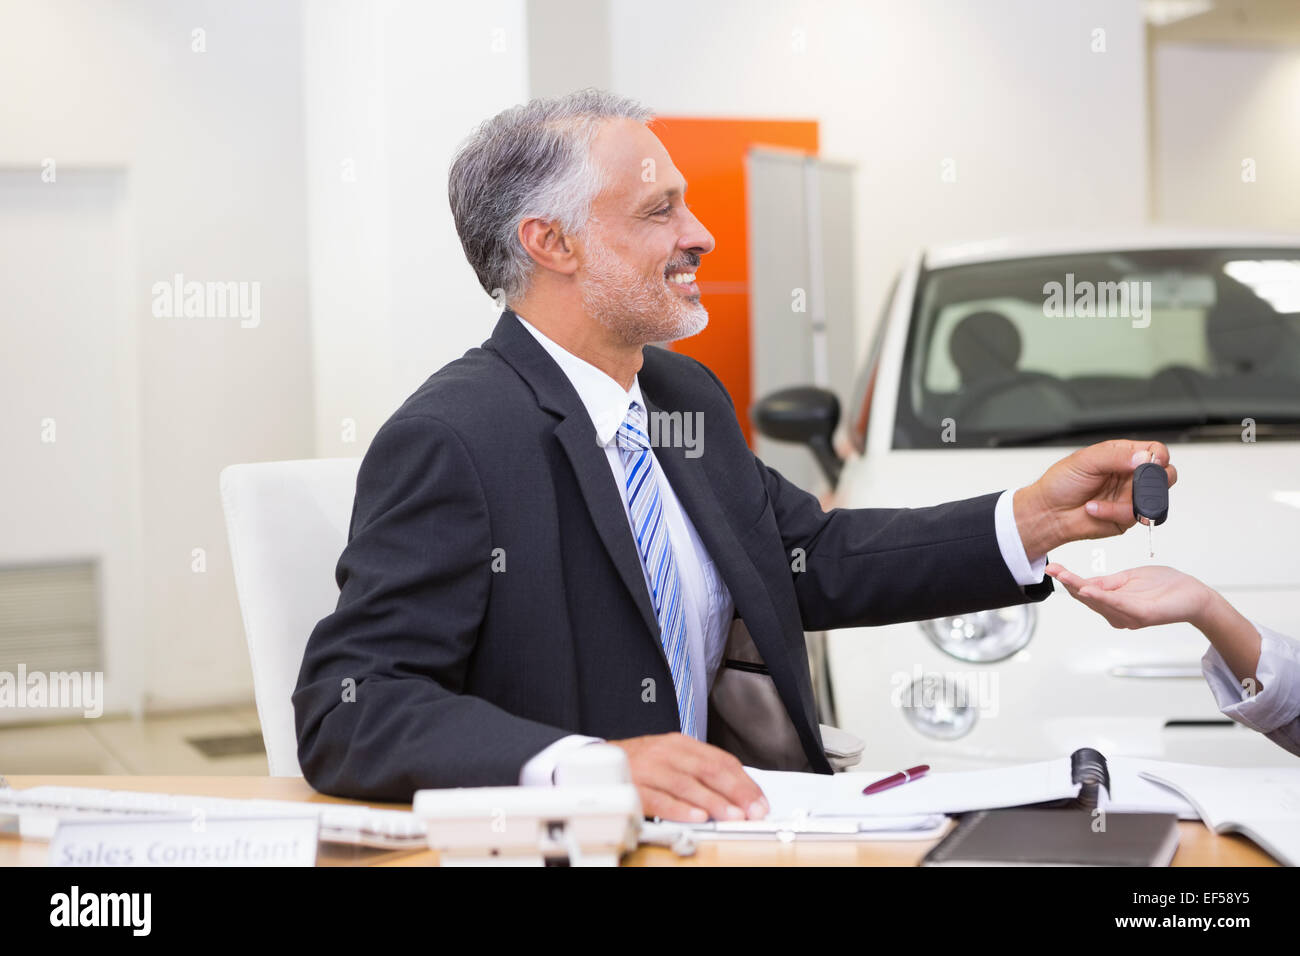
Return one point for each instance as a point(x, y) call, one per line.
point(121, 745)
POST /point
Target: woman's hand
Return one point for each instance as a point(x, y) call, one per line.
point(1139, 597)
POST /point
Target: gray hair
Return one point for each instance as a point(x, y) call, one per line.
point(532, 160)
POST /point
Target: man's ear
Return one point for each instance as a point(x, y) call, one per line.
point(548, 246)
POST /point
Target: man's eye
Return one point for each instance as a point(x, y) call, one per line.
point(663, 212)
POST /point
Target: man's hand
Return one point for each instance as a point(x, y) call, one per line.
point(680, 778)
point(1088, 494)
point(1139, 597)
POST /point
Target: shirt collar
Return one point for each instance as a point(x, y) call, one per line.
point(604, 398)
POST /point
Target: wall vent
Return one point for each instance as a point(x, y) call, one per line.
point(49, 617)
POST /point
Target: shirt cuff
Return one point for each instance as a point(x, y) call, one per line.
point(1012, 548)
point(539, 771)
point(1278, 671)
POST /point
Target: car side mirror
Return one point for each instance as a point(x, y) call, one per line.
point(804, 414)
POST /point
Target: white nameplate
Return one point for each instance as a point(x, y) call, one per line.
point(186, 841)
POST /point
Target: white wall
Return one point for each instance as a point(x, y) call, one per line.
point(1216, 107)
point(210, 147)
point(231, 162)
point(389, 92)
point(1045, 134)
point(568, 46)
point(69, 397)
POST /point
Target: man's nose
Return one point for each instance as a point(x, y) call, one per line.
point(696, 238)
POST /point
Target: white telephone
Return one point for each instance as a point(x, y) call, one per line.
point(591, 817)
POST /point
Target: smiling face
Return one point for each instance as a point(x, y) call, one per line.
point(642, 244)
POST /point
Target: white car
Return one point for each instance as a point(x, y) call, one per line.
point(994, 360)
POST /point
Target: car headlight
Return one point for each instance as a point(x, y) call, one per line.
point(937, 707)
point(984, 636)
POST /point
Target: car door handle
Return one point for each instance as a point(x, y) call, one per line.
point(1160, 671)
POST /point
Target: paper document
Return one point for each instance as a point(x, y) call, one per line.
point(840, 795)
point(926, 826)
point(1262, 803)
point(1132, 792)
point(823, 795)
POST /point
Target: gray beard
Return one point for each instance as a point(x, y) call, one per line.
point(637, 310)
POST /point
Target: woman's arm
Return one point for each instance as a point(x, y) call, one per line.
point(1255, 656)
point(1143, 597)
point(1234, 637)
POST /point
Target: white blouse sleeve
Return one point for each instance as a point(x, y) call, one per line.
point(1273, 711)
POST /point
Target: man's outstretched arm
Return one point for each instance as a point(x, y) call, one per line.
point(876, 566)
point(864, 567)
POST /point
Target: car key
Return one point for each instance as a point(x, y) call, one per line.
point(1151, 497)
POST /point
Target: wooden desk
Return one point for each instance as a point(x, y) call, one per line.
point(1198, 846)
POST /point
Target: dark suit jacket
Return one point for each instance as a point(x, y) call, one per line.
point(462, 672)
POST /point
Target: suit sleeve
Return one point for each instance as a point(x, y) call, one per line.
point(379, 707)
point(865, 567)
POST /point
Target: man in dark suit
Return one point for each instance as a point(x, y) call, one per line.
point(533, 564)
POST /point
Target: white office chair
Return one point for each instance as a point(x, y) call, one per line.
point(288, 524)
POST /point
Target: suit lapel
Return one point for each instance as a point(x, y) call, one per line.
point(699, 499)
point(750, 594)
point(577, 436)
point(591, 466)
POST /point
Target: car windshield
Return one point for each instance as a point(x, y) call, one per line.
point(1183, 344)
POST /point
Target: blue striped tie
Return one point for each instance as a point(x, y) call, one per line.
point(657, 555)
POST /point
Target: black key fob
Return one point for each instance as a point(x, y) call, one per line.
point(1151, 493)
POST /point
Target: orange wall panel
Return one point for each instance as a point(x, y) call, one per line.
point(710, 154)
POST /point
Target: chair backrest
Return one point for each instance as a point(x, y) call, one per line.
point(288, 524)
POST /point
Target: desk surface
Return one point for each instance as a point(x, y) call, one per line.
point(1198, 845)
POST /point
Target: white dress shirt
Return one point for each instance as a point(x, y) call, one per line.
point(1275, 710)
point(706, 599)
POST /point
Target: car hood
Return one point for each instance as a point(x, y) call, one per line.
point(1234, 514)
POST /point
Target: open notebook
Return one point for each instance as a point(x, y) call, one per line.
point(1062, 781)
point(833, 806)
point(1262, 803)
